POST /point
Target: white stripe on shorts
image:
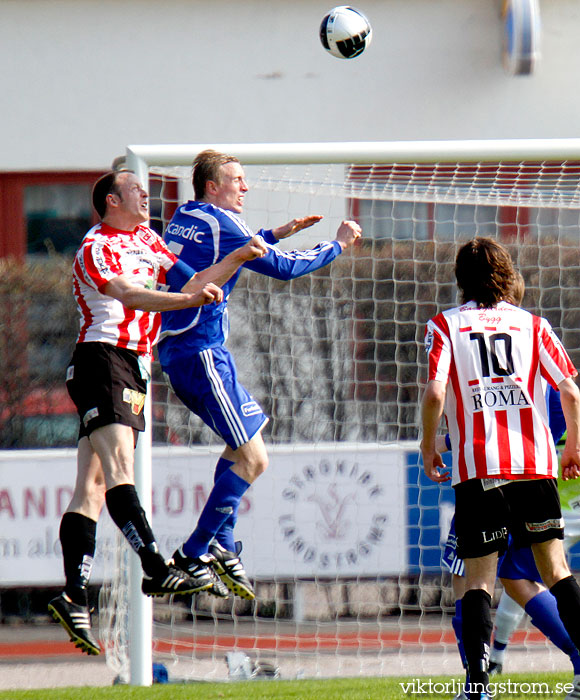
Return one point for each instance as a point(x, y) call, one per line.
point(229, 412)
point(458, 567)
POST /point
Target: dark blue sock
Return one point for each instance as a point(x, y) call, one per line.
point(221, 467)
point(222, 503)
point(225, 535)
point(543, 610)
point(456, 622)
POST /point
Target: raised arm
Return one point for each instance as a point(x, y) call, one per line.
point(290, 264)
point(221, 272)
point(200, 289)
point(137, 297)
point(294, 226)
point(347, 233)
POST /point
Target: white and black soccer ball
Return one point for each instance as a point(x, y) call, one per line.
point(345, 32)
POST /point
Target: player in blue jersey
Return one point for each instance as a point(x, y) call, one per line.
point(201, 370)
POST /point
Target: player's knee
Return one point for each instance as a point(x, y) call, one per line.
point(97, 501)
point(552, 575)
point(121, 472)
point(262, 464)
point(250, 469)
point(258, 466)
point(97, 491)
point(88, 498)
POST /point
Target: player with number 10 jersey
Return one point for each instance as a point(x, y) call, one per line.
point(496, 362)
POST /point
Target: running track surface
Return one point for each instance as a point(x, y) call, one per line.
point(368, 642)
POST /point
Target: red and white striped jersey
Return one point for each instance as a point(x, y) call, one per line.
point(105, 253)
point(495, 363)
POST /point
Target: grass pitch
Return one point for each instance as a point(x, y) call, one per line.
point(520, 686)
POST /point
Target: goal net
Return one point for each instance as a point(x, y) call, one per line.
point(343, 534)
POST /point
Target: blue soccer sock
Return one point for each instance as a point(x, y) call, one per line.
point(222, 503)
point(457, 622)
point(543, 610)
point(225, 535)
point(221, 468)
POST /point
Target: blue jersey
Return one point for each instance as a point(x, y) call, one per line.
point(201, 234)
point(555, 414)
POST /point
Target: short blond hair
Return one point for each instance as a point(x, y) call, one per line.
point(206, 167)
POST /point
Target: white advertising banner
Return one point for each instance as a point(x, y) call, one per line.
point(318, 510)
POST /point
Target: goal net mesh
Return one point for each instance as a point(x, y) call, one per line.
point(343, 534)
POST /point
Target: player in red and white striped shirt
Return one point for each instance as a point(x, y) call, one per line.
point(497, 362)
point(106, 253)
point(489, 362)
point(116, 275)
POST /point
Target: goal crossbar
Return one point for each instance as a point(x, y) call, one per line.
point(367, 152)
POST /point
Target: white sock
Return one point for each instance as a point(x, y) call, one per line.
point(507, 617)
point(497, 655)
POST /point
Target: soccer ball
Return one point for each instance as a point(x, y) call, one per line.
point(345, 32)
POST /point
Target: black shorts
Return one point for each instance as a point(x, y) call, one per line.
point(528, 510)
point(106, 386)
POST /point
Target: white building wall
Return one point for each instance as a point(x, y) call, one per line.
point(81, 79)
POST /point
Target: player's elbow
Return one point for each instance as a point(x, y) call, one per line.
point(281, 275)
point(134, 300)
point(569, 393)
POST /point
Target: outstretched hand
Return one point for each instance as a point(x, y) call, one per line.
point(347, 233)
point(294, 226)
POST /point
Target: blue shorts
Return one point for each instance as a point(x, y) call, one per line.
point(207, 384)
point(516, 563)
point(450, 560)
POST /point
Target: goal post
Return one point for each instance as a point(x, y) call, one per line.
point(336, 360)
point(140, 607)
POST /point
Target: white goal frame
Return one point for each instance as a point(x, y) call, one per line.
point(140, 158)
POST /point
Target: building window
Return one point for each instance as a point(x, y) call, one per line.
point(57, 217)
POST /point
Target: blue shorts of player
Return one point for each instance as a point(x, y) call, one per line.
point(516, 563)
point(207, 383)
